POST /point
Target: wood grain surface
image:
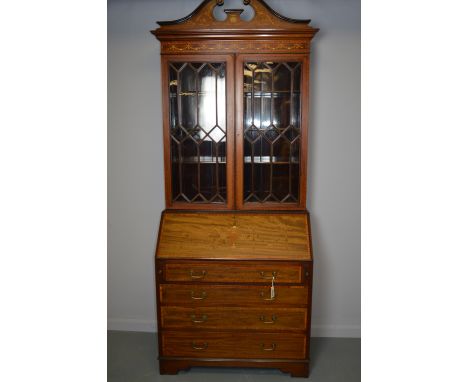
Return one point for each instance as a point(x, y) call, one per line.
point(281, 236)
point(267, 319)
point(232, 295)
point(225, 345)
point(232, 272)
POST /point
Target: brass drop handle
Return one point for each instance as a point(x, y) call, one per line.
point(273, 319)
point(201, 297)
point(198, 347)
point(195, 320)
point(262, 295)
point(197, 276)
point(263, 276)
point(273, 347)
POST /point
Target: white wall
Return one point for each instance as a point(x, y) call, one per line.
point(135, 176)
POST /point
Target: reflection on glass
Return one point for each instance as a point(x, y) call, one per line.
point(197, 115)
point(272, 131)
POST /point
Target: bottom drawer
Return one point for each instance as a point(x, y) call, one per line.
point(233, 345)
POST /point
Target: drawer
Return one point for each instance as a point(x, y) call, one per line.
point(234, 318)
point(225, 295)
point(228, 271)
point(233, 345)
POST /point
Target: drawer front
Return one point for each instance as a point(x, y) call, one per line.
point(234, 318)
point(225, 295)
point(233, 272)
point(233, 345)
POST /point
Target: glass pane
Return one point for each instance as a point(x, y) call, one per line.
point(272, 131)
point(188, 80)
point(280, 182)
point(257, 182)
point(282, 78)
point(188, 115)
point(207, 98)
point(175, 163)
point(189, 180)
point(281, 150)
point(197, 115)
point(173, 114)
point(220, 97)
point(222, 195)
point(222, 151)
point(296, 111)
point(295, 181)
point(248, 118)
point(282, 110)
point(297, 77)
point(262, 77)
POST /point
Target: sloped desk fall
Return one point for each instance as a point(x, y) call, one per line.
point(234, 289)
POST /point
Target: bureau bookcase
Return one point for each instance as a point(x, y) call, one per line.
point(234, 252)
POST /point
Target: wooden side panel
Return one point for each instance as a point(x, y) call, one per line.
point(233, 345)
point(226, 295)
point(234, 318)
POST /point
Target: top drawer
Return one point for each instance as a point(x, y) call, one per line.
point(229, 271)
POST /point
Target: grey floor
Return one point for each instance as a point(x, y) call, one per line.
point(131, 357)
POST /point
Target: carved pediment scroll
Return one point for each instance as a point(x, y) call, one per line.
point(203, 20)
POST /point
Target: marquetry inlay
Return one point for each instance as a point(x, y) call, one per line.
point(248, 46)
